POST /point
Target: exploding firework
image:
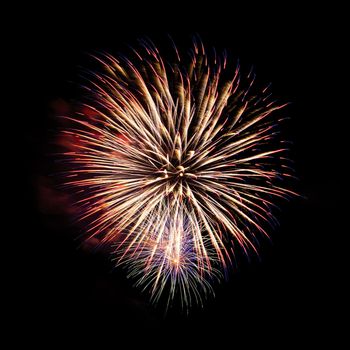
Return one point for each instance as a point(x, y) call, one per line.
point(179, 165)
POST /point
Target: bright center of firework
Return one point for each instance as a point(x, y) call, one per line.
point(176, 177)
point(176, 173)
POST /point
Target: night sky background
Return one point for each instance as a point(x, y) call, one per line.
point(289, 295)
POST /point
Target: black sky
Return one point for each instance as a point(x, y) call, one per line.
point(285, 297)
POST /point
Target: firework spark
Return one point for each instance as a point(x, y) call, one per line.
point(180, 165)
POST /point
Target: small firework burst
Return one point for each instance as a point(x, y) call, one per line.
point(179, 165)
point(166, 261)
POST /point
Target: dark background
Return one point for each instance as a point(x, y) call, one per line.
point(289, 295)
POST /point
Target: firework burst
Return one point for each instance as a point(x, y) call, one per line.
point(179, 165)
point(167, 262)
